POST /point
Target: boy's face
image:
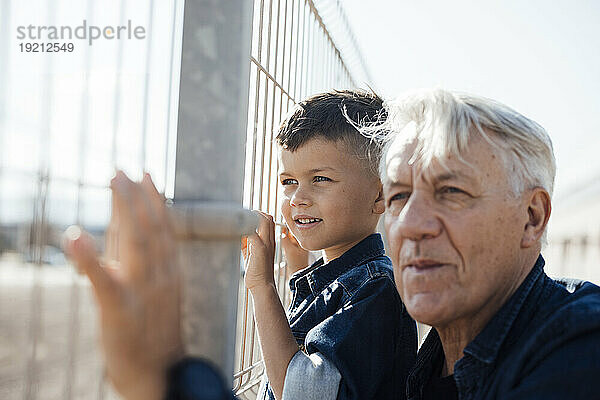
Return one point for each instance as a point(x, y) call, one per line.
point(330, 200)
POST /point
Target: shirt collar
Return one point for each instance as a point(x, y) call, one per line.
point(319, 275)
point(487, 343)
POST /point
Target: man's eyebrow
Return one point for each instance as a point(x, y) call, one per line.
point(453, 175)
point(389, 183)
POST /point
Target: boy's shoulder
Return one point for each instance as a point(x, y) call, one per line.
point(371, 273)
point(362, 268)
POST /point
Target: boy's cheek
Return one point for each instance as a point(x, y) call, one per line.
point(286, 209)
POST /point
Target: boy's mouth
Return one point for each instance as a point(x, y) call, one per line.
point(306, 222)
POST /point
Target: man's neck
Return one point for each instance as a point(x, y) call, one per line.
point(454, 340)
point(456, 335)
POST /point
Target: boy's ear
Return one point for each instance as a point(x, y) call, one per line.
point(379, 205)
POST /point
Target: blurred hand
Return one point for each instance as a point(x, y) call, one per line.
point(259, 254)
point(139, 302)
point(296, 257)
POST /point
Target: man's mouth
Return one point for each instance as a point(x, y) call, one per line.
point(422, 265)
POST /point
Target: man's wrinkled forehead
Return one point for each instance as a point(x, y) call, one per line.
point(403, 163)
point(400, 154)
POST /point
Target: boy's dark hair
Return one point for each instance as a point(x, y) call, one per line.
point(334, 116)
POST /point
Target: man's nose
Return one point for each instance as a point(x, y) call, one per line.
point(300, 198)
point(418, 219)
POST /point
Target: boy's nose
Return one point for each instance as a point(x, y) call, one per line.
point(300, 199)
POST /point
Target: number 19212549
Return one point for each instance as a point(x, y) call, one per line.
point(46, 47)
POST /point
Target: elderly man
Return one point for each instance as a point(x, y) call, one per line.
point(467, 185)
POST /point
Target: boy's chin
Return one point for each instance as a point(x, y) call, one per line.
point(308, 247)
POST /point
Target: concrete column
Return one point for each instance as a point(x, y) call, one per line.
point(210, 169)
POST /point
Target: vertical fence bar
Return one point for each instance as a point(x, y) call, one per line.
point(146, 84)
point(304, 61)
point(210, 163)
point(5, 10)
point(39, 230)
point(170, 93)
point(117, 98)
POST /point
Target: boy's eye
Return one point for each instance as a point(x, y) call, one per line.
point(289, 181)
point(321, 179)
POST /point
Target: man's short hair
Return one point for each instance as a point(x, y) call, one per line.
point(445, 122)
point(336, 116)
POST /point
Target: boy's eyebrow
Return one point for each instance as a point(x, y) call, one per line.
point(310, 171)
point(321, 169)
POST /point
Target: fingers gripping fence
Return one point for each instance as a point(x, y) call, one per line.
point(63, 129)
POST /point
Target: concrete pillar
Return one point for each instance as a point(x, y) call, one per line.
point(210, 170)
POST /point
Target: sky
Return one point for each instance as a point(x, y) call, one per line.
point(542, 58)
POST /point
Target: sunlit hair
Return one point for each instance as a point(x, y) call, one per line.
point(443, 123)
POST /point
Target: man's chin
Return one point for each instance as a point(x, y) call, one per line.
point(427, 308)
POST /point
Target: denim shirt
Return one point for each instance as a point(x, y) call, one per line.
point(543, 343)
point(349, 311)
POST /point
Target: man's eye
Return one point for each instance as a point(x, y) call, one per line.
point(403, 196)
point(289, 181)
point(321, 179)
point(451, 190)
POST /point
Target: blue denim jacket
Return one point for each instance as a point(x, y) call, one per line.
point(543, 343)
point(350, 312)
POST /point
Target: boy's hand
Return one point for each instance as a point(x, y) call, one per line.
point(277, 343)
point(296, 257)
point(139, 303)
point(259, 254)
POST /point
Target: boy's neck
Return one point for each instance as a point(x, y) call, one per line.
point(333, 252)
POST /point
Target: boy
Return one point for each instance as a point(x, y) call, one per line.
point(346, 334)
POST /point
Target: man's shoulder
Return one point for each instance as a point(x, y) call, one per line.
point(558, 356)
point(574, 303)
point(570, 314)
point(558, 349)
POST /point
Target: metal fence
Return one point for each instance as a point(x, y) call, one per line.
point(66, 121)
point(294, 55)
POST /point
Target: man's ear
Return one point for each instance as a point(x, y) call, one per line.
point(379, 205)
point(538, 212)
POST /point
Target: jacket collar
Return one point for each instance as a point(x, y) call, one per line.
point(319, 275)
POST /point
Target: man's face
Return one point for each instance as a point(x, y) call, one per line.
point(328, 196)
point(454, 233)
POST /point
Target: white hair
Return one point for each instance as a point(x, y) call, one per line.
point(445, 121)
